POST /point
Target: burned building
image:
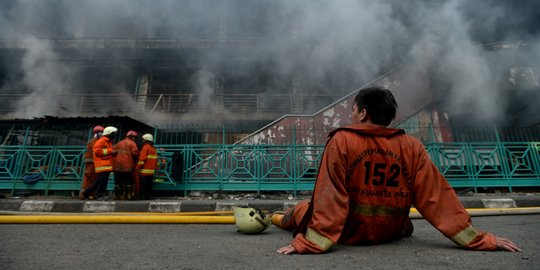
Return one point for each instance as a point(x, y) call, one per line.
point(179, 62)
point(246, 91)
point(240, 65)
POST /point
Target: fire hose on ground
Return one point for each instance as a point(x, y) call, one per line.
point(220, 217)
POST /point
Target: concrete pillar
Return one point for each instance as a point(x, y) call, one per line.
point(297, 97)
point(218, 85)
point(143, 88)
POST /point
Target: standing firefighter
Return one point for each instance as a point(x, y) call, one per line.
point(124, 165)
point(103, 153)
point(147, 166)
point(369, 177)
point(89, 173)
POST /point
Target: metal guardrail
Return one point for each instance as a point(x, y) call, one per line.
point(226, 167)
point(488, 164)
point(236, 132)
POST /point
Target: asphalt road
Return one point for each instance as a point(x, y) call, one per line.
point(128, 246)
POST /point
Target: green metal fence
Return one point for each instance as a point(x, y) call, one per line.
point(477, 165)
point(228, 167)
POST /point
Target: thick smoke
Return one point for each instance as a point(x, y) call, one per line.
point(45, 78)
point(458, 62)
point(471, 79)
point(339, 45)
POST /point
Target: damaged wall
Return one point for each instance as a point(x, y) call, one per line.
point(410, 86)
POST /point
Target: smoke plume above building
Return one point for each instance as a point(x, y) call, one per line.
point(340, 44)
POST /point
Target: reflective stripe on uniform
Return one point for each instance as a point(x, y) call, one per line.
point(380, 210)
point(103, 168)
point(105, 151)
point(88, 160)
point(466, 236)
point(140, 162)
point(151, 157)
point(319, 240)
point(146, 171)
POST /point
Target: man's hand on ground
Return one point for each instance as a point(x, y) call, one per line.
point(289, 249)
point(505, 244)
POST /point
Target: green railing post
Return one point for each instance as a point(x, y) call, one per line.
point(535, 156)
point(50, 168)
point(187, 168)
point(18, 168)
point(294, 162)
point(501, 148)
point(222, 164)
point(470, 164)
point(434, 148)
point(20, 162)
point(223, 133)
point(432, 132)
point(258, 169)
point(497, 137)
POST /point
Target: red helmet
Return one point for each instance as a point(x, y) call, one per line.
point(132, 133)
point(98, 129)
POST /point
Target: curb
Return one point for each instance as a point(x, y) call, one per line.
point(70, 206)
point(175, 206)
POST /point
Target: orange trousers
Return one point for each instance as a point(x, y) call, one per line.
point(89, 177)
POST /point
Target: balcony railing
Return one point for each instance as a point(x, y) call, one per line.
point(131, 104)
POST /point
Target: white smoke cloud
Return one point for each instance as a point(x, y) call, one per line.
point(446, 45)
point(45, 78)
point(204, 83)
point(340, 44)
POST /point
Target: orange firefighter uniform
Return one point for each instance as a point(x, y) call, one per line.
point(126, 154)
point(123, 167)
point(89, 177)
point(146, 167)
point(368, 179)
point(103, 153)
point(89, 173)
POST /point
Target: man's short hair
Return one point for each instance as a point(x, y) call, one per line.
point(379, 104)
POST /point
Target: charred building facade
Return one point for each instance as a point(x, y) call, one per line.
point(182, 61)
point(244, 64)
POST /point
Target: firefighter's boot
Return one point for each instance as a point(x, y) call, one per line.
point(116, 192)
point(284, 220)
point(123, 192)
point(129, 193)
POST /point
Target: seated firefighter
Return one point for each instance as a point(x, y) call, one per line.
point(369, 177)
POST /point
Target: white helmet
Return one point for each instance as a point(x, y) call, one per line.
point(250, 220)
point(148, 137)
point(108, 130)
